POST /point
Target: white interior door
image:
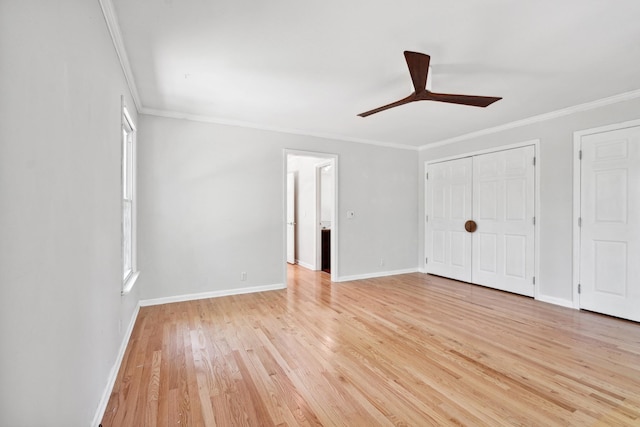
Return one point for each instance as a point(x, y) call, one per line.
point(448, 199)
point(503, 207)
point(291, 218)
point(610, 223)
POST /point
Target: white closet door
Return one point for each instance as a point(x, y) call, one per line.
point(503, 207)
point(610, 231)
point(448, 245)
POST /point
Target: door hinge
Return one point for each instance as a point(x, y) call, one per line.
point(426, 260)
point(427, 175)
point(534, 220)
point(579, 288)
point(534, 280)
point(580, 155)
point(426, 219)
point(579, 221)
point(534, 160)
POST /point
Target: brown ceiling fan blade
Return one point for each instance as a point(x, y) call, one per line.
point(475, 101)
point(403, 101)
point(418, 64)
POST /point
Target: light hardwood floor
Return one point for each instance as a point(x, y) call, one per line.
point(404, 350)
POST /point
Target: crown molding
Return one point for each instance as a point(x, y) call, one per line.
point(626, 96)
point(238, 123)
point(111, 19)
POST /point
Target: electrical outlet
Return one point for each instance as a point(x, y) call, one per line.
point(243, 276)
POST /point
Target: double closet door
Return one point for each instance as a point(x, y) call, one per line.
point(481, 219)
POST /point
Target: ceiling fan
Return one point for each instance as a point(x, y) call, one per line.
point(418, 64)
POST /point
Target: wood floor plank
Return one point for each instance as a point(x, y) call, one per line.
point(412, 349)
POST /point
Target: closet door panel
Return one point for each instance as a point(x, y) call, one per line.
point(503, 198)
point(448, 206)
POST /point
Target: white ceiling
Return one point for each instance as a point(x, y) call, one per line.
point(310, 67)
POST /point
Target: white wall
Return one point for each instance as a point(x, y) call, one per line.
point(327, 183)
point(211, 206)
point(60, 268)
point(555, 166)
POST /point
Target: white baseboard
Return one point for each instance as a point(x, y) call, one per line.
point(213, 294)
point(376, 274)
point(556, 301)
point(106, 394)
point(305, 265)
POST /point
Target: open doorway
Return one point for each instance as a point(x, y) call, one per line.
point(325, 188)
point(311, 230)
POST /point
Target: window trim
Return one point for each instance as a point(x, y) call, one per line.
point(128, 170)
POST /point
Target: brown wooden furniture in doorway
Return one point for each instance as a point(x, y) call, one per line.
point(326, 251)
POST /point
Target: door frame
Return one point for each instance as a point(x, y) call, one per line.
point(329, 157)
point(536, 201)
point(577, 194)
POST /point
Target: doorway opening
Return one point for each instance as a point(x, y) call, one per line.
point(311, 229)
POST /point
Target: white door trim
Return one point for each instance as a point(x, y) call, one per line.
point(577, 182)
point(534, 142)
point(536, 145)
point(336, 219)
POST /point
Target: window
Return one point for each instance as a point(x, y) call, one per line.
point(129, 270)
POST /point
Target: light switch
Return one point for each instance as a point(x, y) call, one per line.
point(350, 214)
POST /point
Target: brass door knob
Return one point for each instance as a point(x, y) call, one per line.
point(470, 226)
